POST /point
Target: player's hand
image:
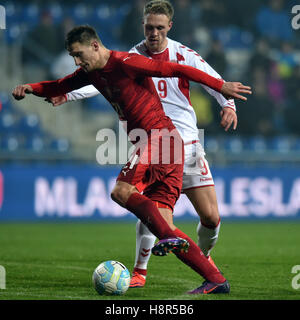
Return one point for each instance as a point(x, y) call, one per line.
point(232, 89)
point(20, 91)
point(228, 118)
point(57, 101)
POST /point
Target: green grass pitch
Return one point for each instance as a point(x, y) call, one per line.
point(55, 261)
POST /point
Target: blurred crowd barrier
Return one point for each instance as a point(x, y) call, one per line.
point(50, 193)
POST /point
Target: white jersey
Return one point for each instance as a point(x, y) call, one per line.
point(174, 93)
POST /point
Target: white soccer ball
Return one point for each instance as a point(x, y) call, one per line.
point(111, 278)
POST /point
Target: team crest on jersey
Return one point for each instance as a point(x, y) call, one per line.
point(179, 57)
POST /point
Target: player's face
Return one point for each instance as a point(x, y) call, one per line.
point(85, 55)
point(156, 28)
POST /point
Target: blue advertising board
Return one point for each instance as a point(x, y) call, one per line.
point(83, 192)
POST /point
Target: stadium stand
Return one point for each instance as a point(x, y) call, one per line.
point(248, 47)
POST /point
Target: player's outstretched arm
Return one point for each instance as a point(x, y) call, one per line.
point(21, 90)
point(136, 65)
point(54, 88)
point(79, 94)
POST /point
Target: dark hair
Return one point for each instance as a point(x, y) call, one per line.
point(159, 7)
point(83, 34)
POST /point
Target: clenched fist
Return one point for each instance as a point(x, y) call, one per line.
point(20, 91)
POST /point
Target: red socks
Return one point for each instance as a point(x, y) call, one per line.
point(195, 259)
point(147, 212)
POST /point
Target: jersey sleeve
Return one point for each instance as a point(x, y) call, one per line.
point(82, 93)
point(61, 86)
point(195, 60)
point(133, 50)
point(137, 65)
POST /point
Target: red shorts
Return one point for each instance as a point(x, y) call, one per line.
point(157, 168)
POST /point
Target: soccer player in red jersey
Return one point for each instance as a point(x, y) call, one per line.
point(123, 79)
point(174, 93)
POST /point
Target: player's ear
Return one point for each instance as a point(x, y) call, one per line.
point(170, 24)
point(95, 45)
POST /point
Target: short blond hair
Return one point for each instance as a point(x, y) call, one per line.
point(159, 7)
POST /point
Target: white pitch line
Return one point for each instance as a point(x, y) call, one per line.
point(48, 296)
point(46, 266)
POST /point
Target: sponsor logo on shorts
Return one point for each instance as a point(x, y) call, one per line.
point(205, 179)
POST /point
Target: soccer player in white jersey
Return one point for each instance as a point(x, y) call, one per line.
point(198, 184)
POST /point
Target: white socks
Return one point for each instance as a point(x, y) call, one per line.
point(144, 242)
point(207, 237)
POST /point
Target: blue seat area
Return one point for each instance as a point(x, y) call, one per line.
point(57, 11)
point(103, 15)
point(233, 37)
point(14, 33)
point(11, 142)
point(107, 21)
point(296, 145)
point(257, 144)
point(122, 11)
point(23, 131)
point(13, 12)
point(212, 144)
point(8, 122)
point(274, 24)
point(5, 102)
point(80, 13)
point(60, 145)
point(105, 18)
point(35, 143)
point(30, 14)
point(234, 144)
point(29, 125)
point(282, 144)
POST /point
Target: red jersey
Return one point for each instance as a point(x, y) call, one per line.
point(126, 83)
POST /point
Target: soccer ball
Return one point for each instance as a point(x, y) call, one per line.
point(111, 278)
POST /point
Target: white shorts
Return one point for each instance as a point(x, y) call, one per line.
point(196, 172)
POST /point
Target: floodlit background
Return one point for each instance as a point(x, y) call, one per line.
point(48, 165)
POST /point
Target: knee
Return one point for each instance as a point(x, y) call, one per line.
point(210, 216)
point(120, 194)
